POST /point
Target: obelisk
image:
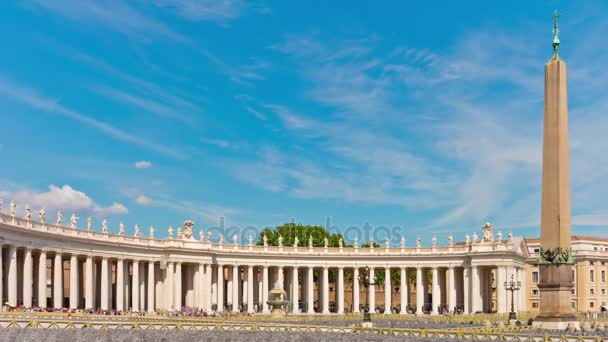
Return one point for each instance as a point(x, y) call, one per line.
point(555, 261)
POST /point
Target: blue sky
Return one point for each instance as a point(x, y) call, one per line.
point(422, 115)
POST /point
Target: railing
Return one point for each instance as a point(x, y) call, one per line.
point(237, 248)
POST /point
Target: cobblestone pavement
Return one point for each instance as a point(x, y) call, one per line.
point(92, 335)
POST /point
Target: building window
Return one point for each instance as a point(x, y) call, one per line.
point(592, 292)
point(595, 248)
point(592, 276)
point(573, 276)
point(573, 291)
point(603, 276)
point(535, 305)
point(603, 292)
point(535, 277)
point(535, 292)
point(536, 250)
point(573, 304)
point(591, 304)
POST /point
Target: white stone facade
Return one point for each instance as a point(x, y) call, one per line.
point(100, 270)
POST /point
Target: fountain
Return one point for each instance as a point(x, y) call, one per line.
point(277, 302)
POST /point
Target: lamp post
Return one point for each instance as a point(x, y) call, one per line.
point(366, 283)
point(512, 286)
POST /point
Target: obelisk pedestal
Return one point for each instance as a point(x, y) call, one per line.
point(555, 261)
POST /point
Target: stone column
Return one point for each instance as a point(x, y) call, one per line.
point(295, 306)
point(208, 282)
point(235, 288)
point(340, 289)
point(73, 282)
point(419, 291)
point(202, 287)
point(177, 287)
point(403, 290)
point(105, 281)
point(436, 292)
point(521, 294)
point(325, 289)
point(475, 290)
point(250, 284)
point(281, 278)
point(151, 286)
point(12, 275)
point(451, 289)
point(387, 291)
point(57, 282)
point(135, 286)
point(265, 289)
point(41, 278)
point(356, 289)
point(372, 292)
point(120, 285)
point(220, 288)
point(88, 292)
point(310, 296)
point(28, 268)
point(501, 294)
point(466, 288)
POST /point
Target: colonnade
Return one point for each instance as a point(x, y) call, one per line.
point(60, 279)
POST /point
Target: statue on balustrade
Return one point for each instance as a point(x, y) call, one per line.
point(201, 235)
point(467, 239)
point(434, 241)
point(73, 221)
point(386, 243)
point(310, 245)
point(13, 207)
point(499, 236)
point(42, 214)
point(488, 236)
point(250, 240)
point(356, 241)
point(121, 229)
point(104, 226)
point(265, 240)
point(209, 236)
point(59, 218)
point(170, 233)
point(418, 242)
point(340, 242)
point(136, 230)
point(325, 242)
point(151, 232)
point(450, 241)
point(221, 239)
point(235, 239)
point(28, 213)
point(89, 224)
point(402, 242)
point(180, 233)
point(475, 237)
point(280, 240)
point(188, 226)
point(295, 242)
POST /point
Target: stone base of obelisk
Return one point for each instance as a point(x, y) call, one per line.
point(555, 287)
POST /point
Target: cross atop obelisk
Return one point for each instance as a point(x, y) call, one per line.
point(555, 260)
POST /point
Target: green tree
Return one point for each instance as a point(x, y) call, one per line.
point(289, 231)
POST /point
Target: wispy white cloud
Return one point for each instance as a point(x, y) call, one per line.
point(116, 15)
point(64, 198)
point(220, 10)
point(143, 200)
point(32, 98)
point(143, 164)
point(146, 104)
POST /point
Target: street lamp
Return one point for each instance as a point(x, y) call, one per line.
point(512, 286)
point(366, 283)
